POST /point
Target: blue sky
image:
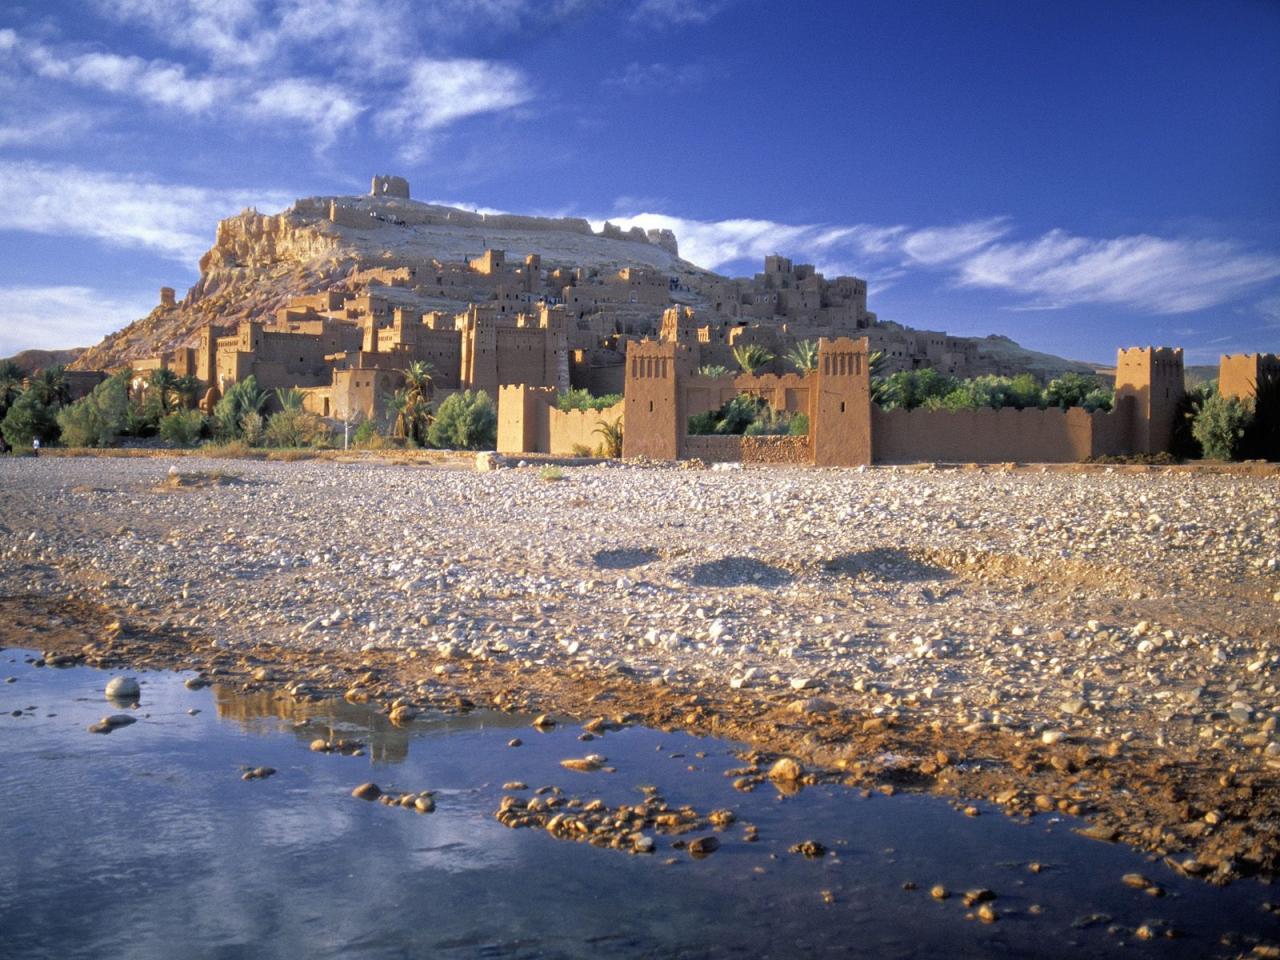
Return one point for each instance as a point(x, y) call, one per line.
point(1079, 176)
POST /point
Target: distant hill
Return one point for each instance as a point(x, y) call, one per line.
point(32, 361)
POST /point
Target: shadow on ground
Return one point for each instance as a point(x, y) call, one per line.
point(736, 572)
point(885, 563)
point(624, 557)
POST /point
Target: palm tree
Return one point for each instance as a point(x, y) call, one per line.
point(803, 356)
point(713, 370)
point(51, 387)
point(239, 400)
point(162, 390)
point(290, 399)
point(189, 389)
point(611, 435)
point(11, 377)
point(875, 363)
point(412, 404)
point(751, 356)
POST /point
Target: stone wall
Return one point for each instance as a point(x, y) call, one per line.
point(775, 449)
point(714, 448)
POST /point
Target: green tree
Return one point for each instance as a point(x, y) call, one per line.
point(751, 356)
point(713, 370)
point(465, 421)
point(803, 356)
point(29, 418)
point(1220, 426)
point(97, 420)
point(238, 401)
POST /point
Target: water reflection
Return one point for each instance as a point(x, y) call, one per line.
point(334, 718)
point(147, 844)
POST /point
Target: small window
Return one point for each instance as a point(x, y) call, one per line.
point(842, 406)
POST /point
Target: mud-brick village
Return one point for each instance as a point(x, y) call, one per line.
point(639, 479)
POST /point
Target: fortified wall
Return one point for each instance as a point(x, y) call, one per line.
point(663, 390)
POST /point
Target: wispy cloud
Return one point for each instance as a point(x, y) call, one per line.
point(646, 77)
point(440, 92)
point(58, 317)
point(33, 131)
point(173, 221)
point(1054, 270)
point(678, 12)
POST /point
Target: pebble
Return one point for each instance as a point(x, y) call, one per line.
point(367, 791)
point(123, 688)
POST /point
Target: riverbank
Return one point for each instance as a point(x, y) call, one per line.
point(1098, 642)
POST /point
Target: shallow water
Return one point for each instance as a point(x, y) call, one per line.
point(146, 843)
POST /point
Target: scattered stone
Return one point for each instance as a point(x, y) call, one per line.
point(367, 791)
point(786, 770)
point(123, 688)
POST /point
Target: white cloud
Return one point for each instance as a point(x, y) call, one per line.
point(157, 81)
point(1152, 273)
point(324, 107)
point(440, 92)
point(56, 318)
point(677, 11)
point(1056, 269)
point(176, 222)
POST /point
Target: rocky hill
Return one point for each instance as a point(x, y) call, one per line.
point(258, 262)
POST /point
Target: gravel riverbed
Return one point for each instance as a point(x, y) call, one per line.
point(1099, 642)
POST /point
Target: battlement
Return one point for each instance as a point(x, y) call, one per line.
point(384, 185)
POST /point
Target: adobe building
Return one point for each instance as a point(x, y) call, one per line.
point(1239, 374)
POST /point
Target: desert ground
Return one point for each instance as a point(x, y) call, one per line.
point(1100, 642)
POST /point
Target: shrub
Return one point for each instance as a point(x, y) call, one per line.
point(768, 422)
point(182, 428)
point(550, 473)
point(583, 400)
point(1262, 436)
point(581, 450)
point(98, 419)
point(1220, 426)
point(295, 427)
point(28, 419)
point(251, 428)
point(610, 438)
point(799, 425)
point(465, 421)
point(240, 400)
point(365, 434)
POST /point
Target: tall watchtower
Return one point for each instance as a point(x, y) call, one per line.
point(388, 186)
point(840, 404)
point(1153, 377)
point(655, 411)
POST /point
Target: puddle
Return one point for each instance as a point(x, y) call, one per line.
point(147, 843)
